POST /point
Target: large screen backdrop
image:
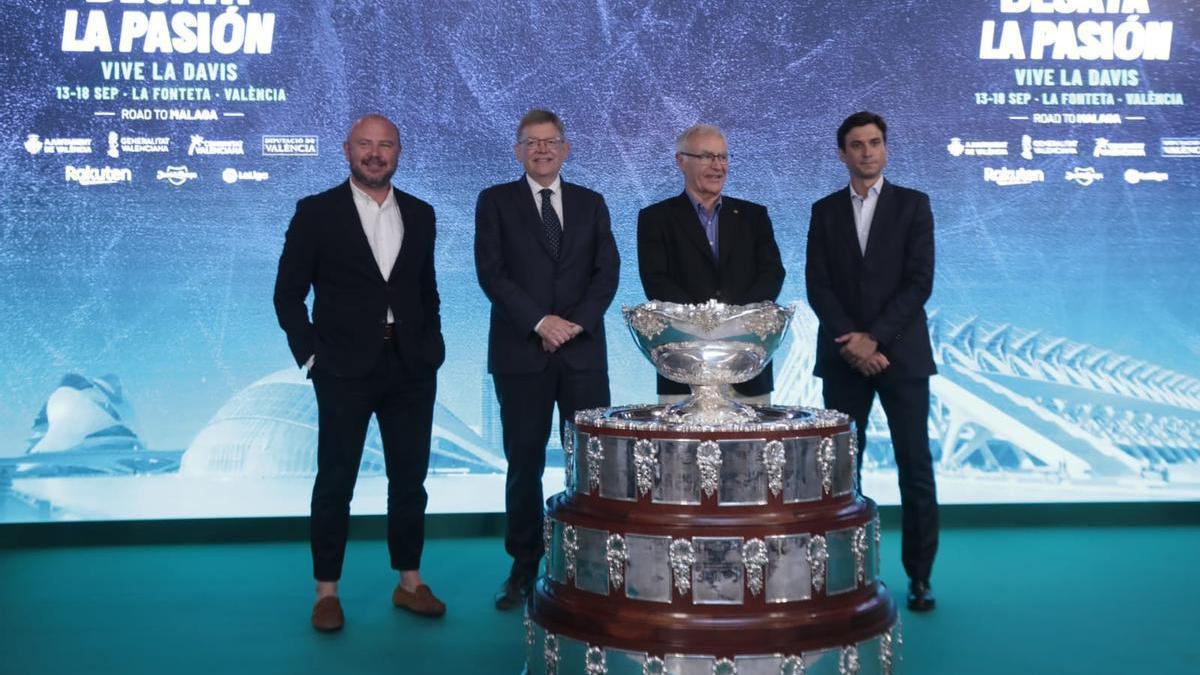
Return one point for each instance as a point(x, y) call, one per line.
point(154, 151)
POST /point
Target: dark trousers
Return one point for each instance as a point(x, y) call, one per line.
point(402, 401)
point(526, 411)
point(906, 403)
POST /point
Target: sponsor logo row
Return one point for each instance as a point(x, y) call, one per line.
point(1084, 176)
point(117, 145)
point(1101, 147)
point(176, 176)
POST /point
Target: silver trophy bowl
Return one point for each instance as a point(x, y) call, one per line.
point(709, 346)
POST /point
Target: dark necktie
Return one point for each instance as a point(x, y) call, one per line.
point(550, 223)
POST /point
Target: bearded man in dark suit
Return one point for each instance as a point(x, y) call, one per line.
point(372, 347)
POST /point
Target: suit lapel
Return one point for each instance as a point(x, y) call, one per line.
point(572, 219)
point(849, 232)
point(358, 238)
point(411, 229)
point(689, 223)
point(881, 221)
point(727, 230)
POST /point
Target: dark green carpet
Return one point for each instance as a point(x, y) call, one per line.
point(1093, 601)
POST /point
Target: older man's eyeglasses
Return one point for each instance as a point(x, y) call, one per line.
point(708, 157)
point(535, 143)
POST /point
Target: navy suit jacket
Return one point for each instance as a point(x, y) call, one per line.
point(882, 292)
point(677, 265)
point(524, 282)
point(325, 249)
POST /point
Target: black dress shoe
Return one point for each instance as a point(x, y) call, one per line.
point(920, 596)
point(513, 592)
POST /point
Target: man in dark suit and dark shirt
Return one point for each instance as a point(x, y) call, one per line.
point(373, 346)
point(701, 245)
point(546, 260)
point(869, 273)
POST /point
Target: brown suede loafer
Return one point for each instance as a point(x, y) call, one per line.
point(420, 601)
point(327, 614)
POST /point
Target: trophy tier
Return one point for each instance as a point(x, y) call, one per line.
point(691, 549)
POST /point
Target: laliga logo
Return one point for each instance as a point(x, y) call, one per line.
point(1026, 146)
point(1084, 176)
point(956, 147)
point(114, 143)
point(1133, 176)
point(232, 175)
point(33, 144)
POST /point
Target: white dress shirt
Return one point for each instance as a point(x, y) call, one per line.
point(864, 212)
point(384, 229)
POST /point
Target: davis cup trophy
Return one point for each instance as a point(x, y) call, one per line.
point(710, 537)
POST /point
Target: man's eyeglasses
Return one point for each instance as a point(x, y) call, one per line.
point(708, 157)
point(532, 143)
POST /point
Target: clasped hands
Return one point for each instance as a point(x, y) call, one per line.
point(861, 351)
point(556, 331)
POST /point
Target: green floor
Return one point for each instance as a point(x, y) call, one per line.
point(1011, 600)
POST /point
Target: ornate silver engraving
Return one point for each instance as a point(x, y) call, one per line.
point(683, 556)
point(570, 548)
point(551, 654)
point(724, 667)
point(774, 459)
point(654, 666)
point(595, 457)
point(708, 457)
point(825, 461)
point(569, 459)
point(792, 665)
point(765, 324)
point(885, 653)
point(547, 539)
point(651, 418)
point(878, 541)
point(854, 486)
point(617, 555)
point(645, 465)
point(848, 661)
point(818, 553)
point(754, 557)
point(646, 322)
point(594, 662)
point(859, 546)
point(530, 636)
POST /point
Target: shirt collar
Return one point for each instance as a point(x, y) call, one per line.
point(359, 195)
point(700, 207)
point(555, 187)
point(872, 191)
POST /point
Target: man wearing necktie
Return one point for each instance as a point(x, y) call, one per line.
point(869, 273)
point(702, 245)
point(372, 347)
point(546, 259)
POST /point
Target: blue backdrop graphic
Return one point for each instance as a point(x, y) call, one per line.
point(144, 374)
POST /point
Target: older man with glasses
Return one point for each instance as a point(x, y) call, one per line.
point(702, 245)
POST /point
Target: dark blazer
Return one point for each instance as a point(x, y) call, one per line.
point(677, 264)
point(882, 292)
point(327, 250)
point(525, 283)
